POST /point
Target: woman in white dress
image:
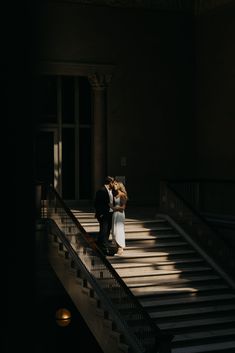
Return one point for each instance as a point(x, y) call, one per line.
point(118, 220)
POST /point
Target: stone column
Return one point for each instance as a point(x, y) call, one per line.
point(99, 84)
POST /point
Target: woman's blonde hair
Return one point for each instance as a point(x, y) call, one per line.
point(121, 187)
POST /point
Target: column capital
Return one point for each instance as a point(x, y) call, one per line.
point(99, 81)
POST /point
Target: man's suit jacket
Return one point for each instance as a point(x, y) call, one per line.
point(102, 202)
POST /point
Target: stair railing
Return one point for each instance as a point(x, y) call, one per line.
point(175, 205)
point(104, 280)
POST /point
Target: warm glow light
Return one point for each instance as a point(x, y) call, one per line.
point(63, 317)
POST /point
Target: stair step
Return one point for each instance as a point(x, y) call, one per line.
point(144, 231)
point(160, 290)
point(193, 311)
point(144, 221)
point(119, 262)
point(140, 259)
point(128, 223)
point(215, 336)
point(141, 240)
point(146, 270)
point(167, 267)
point(220, 347)
point(83, 213)
point(168, 244)
point(149, 281)
point(131, 228)
point(171, 280)
point(155, 302)
point(200, 335)
point(89, 223)
point(130, 236)
point(136, 272)
point(155, 281)
point(128, 230)
point(196, 323)
point(130, 255)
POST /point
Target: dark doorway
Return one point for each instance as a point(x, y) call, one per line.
point(63, 155)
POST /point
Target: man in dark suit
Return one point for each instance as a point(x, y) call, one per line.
point(103, 213)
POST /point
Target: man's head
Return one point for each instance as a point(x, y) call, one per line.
point(108, 180)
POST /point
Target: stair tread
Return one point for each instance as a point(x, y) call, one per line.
point(196, 322)
point(155, 280)
point(155, 283)
point(130, 236)
point(189, 311)
point(128, 230)
point(137, 261)
point(144, 221)
point(211, 347)
point(196, 299)
point(145, 229)
point(117, 264)
point(149, 280)
point(138, 291)
point(140, 237)
point(144, 251)
point(155, 246)
point(203, 334)
point(128, 221)
point(132, 254)
point(142, 269)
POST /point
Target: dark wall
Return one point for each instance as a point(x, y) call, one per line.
point(150, 97)
point(215, 93)
point(170, 100)
point(17, 169)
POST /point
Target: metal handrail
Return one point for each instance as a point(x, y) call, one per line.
point(121, 324)
point(94, 259)
point(199, 228)
point(198, 191)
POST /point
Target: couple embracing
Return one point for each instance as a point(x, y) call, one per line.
point(110, 204)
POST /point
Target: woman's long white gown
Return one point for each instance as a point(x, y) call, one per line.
point(118, 227)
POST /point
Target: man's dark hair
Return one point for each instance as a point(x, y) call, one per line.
point(108, 180)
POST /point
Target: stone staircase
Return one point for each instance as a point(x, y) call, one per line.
point(175, 282)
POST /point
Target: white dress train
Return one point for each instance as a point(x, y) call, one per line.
point(118, 226)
